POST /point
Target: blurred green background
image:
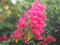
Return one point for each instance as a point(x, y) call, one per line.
point(12, 10)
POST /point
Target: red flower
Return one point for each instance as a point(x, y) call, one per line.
point(17, 34)
point(51, 39)
point(1, 39)
point(44, 44)
point(4, 37)
point(26, 41)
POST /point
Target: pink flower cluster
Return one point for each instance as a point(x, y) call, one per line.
point(22, 22)
point(4, 38)
point(36, 22)
point(48, 40)
point(37, 19)
point(18, 33)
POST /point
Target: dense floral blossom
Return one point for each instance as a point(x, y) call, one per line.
point(37, 19)
point(34, 21)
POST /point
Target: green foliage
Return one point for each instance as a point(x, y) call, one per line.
point(53, 14)
point(53, 18)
